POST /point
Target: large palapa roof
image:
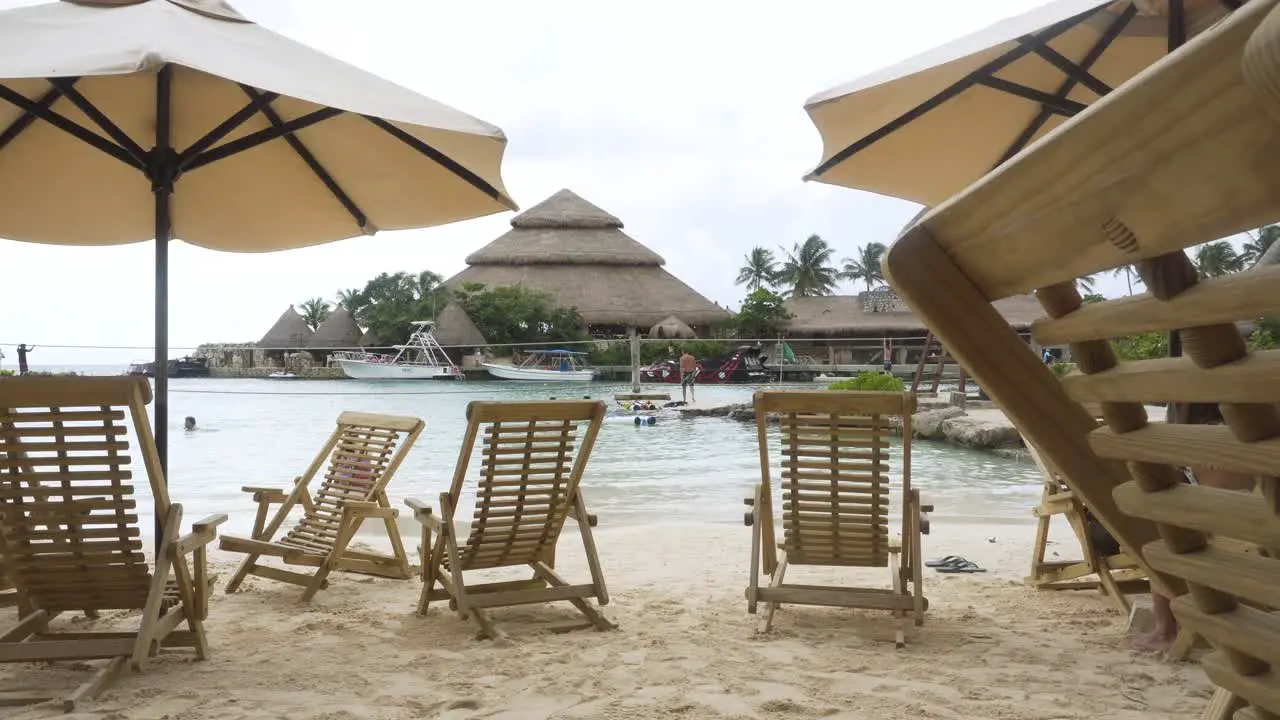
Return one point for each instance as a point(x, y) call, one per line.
point(290, 331)
point(577, 252)
point(835, 315)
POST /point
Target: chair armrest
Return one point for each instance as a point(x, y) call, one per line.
point(592, 518)
point(423, 514)
point(202, 533)
point(367, 509)
point(266, 494)
point(922, 512)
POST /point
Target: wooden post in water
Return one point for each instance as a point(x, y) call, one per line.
point(635, 359)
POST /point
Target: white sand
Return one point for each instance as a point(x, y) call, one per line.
point(687, 648)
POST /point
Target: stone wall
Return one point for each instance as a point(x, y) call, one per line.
point(307, 373)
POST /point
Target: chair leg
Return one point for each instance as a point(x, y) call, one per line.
point(900, 614)
point(753, 575)
point(544, 572)
point(770, 606)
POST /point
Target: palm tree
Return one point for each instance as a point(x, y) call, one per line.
point(1216, 259)
point(1085, 284)
point(759, 268)
point(1130, 273)
point(867, 266)
point(1256, 247)
point(807, 270)
point(349, 299)
point(314, 312)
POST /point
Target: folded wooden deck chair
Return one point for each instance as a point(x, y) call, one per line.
point(1115, 574)
point(69, 532)
point(835, 503)
point(529, 485)
point(1189, 168)
point(359, 459)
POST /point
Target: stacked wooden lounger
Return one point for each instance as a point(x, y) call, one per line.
point(1181, 155)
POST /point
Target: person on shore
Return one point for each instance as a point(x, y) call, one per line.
point(688, 375)
point(1166, 625)
point(23, 349)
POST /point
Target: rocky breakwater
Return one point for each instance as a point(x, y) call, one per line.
point(981, 428)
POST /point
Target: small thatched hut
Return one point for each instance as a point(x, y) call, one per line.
point(289, 333)
point(578, 253)
point(849, 329)
point(673, 328)
point(338, 331)
point(457, 333)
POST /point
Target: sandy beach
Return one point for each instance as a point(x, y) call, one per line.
point(686, 647)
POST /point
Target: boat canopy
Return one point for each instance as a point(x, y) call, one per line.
point(557, 352)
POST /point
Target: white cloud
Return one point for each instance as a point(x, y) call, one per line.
point(684, 119)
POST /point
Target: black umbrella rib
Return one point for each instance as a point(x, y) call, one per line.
point(440, 158)
point(1025, 46)
point(1072, 70)
point(225, 127)
point(253, 140)
point(26, 119)
point(66, 85)
point(1051, 102)
point(362, 221)
point(1108, 36)
point(85, 135)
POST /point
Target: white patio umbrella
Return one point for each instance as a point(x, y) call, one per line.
point(927, 127)
point(127, 120)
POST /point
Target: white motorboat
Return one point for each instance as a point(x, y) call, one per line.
point(421, 358)
point(546, 366)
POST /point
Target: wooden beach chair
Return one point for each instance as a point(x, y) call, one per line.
point(1116, 575)
point(835, 503)
point(69, 534)
point(1171, 159)
point(529, 483)
point(359, 459)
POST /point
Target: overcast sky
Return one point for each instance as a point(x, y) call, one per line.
point(684, 119)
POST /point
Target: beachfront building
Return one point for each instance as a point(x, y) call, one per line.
point(288, 336)
point(855, 329)
point(458, 335)
point(579, 254)
point(339, 331)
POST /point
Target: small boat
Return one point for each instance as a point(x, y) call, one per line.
point(421, 358)
point(743, 366)
point(185, 367)
point(282, 375)
point(546, 366)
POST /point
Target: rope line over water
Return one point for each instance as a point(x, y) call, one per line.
point(232, 347)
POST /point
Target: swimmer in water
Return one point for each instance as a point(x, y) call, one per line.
point(189, 424)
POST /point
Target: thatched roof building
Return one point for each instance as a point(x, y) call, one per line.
point(881, 312)
point(454, 328)
point(339, 330)
point(368, 339)
point(578, 253)
point(289, 332)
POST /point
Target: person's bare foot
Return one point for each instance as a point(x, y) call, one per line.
point(1157, 641)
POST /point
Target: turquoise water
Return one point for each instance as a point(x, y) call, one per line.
point(265, 432)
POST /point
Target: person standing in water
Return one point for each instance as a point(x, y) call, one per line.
point(688, 375)
point(189, 424)
point(23, 349)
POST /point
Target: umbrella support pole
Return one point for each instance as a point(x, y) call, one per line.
point(634, 336)
point(162, 169)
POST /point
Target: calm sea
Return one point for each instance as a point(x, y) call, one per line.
point(265, 432)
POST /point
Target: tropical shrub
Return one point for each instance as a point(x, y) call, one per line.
point(881, 382)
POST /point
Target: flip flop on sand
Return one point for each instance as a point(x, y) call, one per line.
point(943, 562)
point(965, 567)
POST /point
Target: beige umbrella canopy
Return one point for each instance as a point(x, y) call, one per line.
point(926, 128)
point(110, 107)
point(674, 328)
